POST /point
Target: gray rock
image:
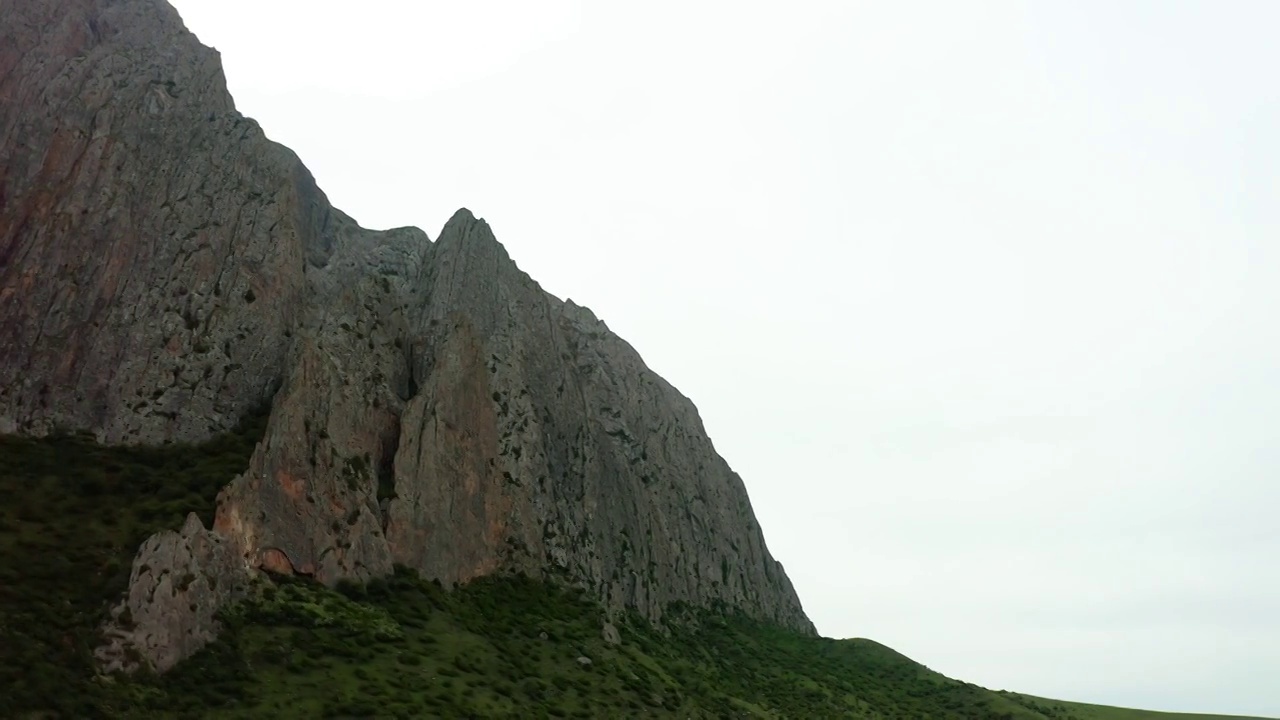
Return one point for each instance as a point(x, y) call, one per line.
point(584, 661)
point(179, 581)
point(317, 484)
point(153, 242)
point(610, 634)
point(567, 453)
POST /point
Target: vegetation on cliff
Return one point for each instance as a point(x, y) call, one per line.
point(73, 515)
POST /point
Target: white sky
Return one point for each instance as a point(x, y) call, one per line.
point(979, 298)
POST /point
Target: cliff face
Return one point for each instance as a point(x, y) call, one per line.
point(164, 267)
point(152, 240)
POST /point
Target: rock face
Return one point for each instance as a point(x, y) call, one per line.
point(179, 581)
point(164, 267)
point(152, 241)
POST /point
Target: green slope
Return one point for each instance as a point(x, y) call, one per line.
point(72, 516)
point(1061, 709)
point(501, 647)
point(511, 647)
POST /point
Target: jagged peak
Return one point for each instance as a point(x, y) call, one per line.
point(465, 228)
point(463, 215)
point(470, 241)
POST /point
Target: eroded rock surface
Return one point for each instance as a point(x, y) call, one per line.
point(539, 439)
point(152, 240)
point(164, 267)
point(178, 583)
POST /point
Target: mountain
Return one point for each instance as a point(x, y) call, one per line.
point(165, 269)
point(259, 460)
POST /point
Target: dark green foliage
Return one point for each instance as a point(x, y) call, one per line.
point(73, 515)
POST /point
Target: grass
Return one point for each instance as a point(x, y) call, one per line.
point(1064, 710)
point(402, 647)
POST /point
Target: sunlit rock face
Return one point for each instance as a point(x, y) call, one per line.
point(164, 268)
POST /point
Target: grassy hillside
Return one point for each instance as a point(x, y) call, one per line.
point(513, 648)
point(501, 647)
point(1085, 711)
point(72, 516)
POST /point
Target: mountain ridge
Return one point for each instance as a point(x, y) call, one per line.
point(431, 405)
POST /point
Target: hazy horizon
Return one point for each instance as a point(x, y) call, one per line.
point(977, 299)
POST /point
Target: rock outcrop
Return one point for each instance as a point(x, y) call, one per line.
point(178, 583)
point(164, 267)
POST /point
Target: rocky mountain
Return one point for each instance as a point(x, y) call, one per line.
point(165, 269)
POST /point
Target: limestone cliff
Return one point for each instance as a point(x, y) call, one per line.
point(153, 242)
point(164, 267)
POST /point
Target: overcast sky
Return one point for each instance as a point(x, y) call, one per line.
point(980, 299)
